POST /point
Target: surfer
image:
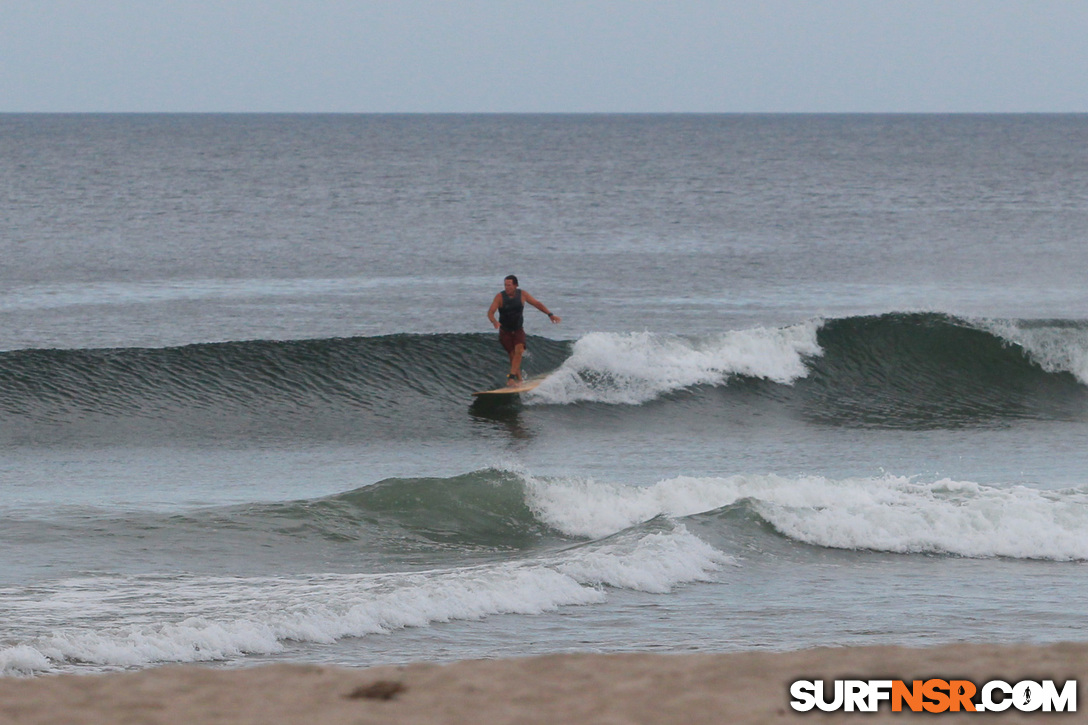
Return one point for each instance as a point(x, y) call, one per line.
point(510, 304)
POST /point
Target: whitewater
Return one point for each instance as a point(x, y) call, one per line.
point(576, 542)
point(820, 380)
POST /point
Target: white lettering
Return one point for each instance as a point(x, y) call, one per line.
point(1027, 696)
point(1065, 701)
point(822, 703)
point(856, 695)
point(879, 690)
point(804, 695)
point(995, 696)
point(988, 701)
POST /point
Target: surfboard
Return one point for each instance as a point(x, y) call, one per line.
point(525, 387)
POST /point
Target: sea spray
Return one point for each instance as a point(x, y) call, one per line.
point(633, 368)
point(1056, 345)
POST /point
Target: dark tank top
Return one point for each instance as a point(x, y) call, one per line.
point(511, 314)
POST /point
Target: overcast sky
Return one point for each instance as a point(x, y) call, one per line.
point(544, 55)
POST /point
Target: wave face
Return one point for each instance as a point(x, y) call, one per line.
point(554, 542)
point(327, 388)
point(919, 370)
point(504, 514)
point(134, 619)
point(933, 370)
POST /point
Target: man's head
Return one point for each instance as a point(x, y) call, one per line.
point(510, 283)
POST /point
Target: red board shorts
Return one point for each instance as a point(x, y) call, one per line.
point(511, 339)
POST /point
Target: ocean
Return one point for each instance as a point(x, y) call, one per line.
point(820, 380)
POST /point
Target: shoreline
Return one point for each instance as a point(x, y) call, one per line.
point(746, 687)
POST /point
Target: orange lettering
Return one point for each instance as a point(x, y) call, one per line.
point(913, 696)
point(962, 691)
point(932, 689)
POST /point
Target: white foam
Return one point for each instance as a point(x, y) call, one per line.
point(633, 368)
point(946, 517)
point(653, 563)
point(584, 507)
point(886, 513)
point(112, 622)
point(1055, 348)
point(22, 659)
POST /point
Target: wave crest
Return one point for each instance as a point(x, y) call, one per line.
point(633, 368)
point(898, 370)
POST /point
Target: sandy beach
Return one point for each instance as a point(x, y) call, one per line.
point(749, 687)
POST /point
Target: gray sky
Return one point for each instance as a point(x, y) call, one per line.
point(544, 55)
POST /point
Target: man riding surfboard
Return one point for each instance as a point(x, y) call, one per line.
point(510, 304)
